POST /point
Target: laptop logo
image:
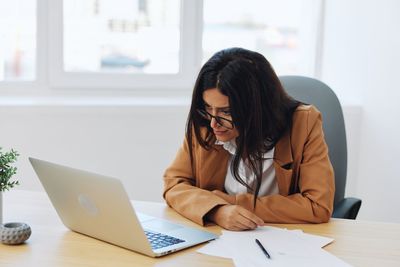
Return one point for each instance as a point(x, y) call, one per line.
point(87, 204)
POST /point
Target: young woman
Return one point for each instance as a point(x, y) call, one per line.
point(251, 154)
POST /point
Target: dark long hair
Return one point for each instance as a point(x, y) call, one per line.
point(260, 108)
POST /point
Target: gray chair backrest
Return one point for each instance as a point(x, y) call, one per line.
point(312, 91)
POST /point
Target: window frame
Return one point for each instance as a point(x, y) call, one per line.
point(51, 77)
point(190, 34)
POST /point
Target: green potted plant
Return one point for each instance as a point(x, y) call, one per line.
point(6, 172)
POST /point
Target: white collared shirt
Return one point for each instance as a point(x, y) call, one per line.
point(269, 185)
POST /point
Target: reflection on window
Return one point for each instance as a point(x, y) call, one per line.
point(134, 36)
point(283, 31)
point(17, 40)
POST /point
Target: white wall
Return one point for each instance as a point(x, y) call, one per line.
point(361, 61)
point(133, 143)
point(136, 143)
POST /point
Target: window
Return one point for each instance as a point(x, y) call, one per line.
point(283, 31)
point(134, 36)
point(146, 44)
point(17, 40)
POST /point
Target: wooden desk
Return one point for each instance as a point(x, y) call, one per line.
point(359, 243)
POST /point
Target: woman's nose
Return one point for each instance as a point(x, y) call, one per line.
point(214, 123)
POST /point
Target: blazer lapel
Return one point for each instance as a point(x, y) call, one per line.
point(213, 167)
point(283, 160)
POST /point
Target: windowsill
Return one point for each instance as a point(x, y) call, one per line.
point(98, 101)
point(116, 101)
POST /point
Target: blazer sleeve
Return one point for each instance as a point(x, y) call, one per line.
point(181, 191)
point(314, 203)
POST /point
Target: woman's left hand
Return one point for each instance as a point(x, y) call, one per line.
point(229, 198)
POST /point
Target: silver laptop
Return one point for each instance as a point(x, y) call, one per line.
point(98, 206)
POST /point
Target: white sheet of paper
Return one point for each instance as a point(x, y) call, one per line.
point(286, 247)
point(314, 258)
point(319, 241)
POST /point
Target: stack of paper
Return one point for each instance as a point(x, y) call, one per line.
point(286, 248)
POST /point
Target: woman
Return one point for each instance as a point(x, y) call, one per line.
point(252, 154)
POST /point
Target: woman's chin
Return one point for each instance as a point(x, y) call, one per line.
point(223, 138)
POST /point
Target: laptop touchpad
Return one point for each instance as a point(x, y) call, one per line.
point(160, 226)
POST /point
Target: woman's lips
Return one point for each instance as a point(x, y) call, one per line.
point(219, 132)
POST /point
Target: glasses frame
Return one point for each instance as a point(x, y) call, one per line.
point(204, 114)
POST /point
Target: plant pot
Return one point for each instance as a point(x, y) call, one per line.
point(14, 233)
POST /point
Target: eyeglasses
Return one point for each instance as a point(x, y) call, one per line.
point(228, 124)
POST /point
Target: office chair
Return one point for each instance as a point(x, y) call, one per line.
point(312, 91)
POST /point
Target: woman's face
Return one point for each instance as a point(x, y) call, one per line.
point(217, 104)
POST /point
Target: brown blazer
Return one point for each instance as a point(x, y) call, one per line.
point(300, 155)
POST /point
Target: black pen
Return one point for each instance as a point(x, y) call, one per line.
point(263, 249)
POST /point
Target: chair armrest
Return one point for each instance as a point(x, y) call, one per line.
point(347, 208)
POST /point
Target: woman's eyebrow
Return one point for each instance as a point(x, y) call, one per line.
point(219, 108)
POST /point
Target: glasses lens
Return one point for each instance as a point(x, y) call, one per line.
point(204, 114)
point(221, 121)
point(224, 122)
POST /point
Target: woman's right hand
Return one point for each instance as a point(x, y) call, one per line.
point(234, 218)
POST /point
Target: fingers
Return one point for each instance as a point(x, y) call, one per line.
point(251, 217)
point(246, 220)
point(244, 223)
point(239, 227)
point(254, 219)
point(236, 218)
point(241, 223)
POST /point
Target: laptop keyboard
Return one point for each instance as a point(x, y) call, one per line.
point(158, 240)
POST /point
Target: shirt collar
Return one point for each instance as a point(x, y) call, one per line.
point(231, 147)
